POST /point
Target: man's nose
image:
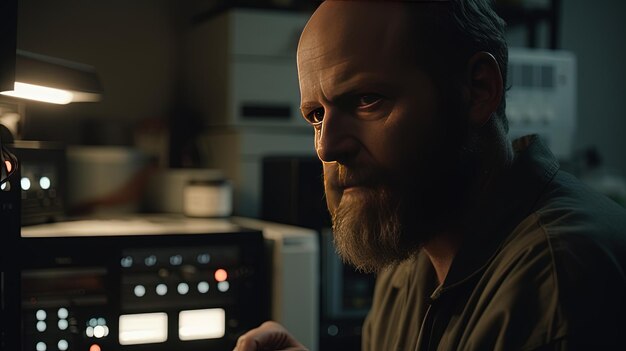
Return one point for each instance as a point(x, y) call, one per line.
point(337, 139)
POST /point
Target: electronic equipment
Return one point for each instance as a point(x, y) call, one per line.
point(239, 152)
point(542, 97)
point(232, 56)
point(164, 282)
point(42, 181)
point(141, 283)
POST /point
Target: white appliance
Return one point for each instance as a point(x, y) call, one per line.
point(295, 272)
point(542, 97)
point(241, 68)
point(242, 81)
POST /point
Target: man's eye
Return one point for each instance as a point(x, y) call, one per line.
point(316, 116)
point(368, 100)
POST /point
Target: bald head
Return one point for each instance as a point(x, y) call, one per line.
point(349, 30)
point(363, 28)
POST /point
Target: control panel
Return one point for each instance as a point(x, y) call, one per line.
point(179, 290)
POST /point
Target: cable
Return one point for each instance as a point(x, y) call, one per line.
point(6, 155)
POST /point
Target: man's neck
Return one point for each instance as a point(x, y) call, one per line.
point(442, 248)
point(441, 251)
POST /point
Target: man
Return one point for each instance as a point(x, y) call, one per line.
point(478, 244)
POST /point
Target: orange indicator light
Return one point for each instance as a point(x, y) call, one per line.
point(221, 275)
point(95, 347)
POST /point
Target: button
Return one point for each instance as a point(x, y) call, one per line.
point(223, 286)
point(161, 289)
point(41, 315)
point(183, 288)
point(139, 290)
point(63, 313)
point(63, 324)
point(203, 287)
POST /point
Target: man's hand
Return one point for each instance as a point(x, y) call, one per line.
point(268, 336)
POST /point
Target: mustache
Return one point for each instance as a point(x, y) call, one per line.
point(346, 176)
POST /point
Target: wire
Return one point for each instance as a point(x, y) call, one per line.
point(6, 155)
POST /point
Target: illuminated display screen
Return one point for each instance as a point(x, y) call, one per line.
point(143, 328)
point(202, 324)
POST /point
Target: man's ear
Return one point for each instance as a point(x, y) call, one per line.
point(484, 87)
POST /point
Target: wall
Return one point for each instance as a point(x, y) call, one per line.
point(594, 32)
point(131, 44)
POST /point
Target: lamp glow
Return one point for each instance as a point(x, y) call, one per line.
point(40, 93)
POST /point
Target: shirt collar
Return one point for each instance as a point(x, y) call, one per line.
point(511, 200)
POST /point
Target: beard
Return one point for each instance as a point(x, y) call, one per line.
point(368, 231)
point(392, 218)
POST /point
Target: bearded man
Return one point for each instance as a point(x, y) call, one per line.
point(478, 243)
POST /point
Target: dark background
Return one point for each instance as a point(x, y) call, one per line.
point(135, 46)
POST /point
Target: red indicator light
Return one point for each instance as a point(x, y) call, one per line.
point(95, 347)
point(221, 275)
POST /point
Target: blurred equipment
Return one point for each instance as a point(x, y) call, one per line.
point(195, 192)
point(542, 98)
point(240, 152)
point(233, 56)
point(293, 193)
point(233, 53)
point(104, 180)
point(163, 282)
point(208, 198)
point(42, 181)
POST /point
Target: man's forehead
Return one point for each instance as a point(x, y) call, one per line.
point(346, 29)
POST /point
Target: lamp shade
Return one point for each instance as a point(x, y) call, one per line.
point(49, 79)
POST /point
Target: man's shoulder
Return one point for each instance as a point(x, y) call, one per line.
point(577, 231)
point(571, 252)
point(568, 206)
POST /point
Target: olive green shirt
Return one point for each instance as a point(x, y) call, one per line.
point(544, 269)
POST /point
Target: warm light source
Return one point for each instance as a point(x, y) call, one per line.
point(40, 93)
point(53, 80)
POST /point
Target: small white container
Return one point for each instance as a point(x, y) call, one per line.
point(208, 198)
